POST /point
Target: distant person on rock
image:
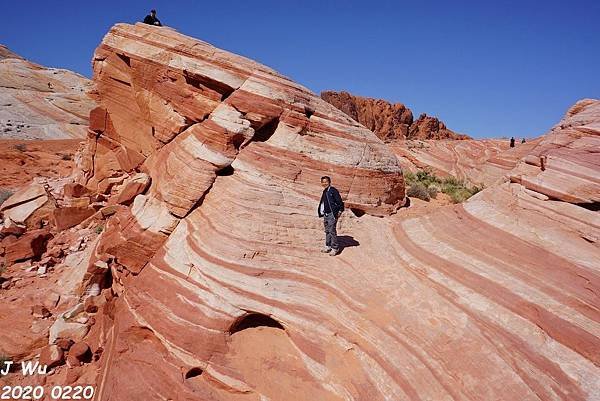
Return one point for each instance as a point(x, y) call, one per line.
point(330, 208)
point(151, 19)
point(512, 142)
point(523, 140)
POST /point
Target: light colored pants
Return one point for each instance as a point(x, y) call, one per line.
point(329, 222)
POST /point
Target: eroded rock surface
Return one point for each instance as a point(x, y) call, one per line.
point(480, 162)
point(212, 275)
point(566, 162)
point(389, 121)
point(41, 103)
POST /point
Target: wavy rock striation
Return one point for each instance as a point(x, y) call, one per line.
point(209, 283)
point(39, 102)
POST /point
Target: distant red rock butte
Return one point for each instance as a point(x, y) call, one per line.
point(389, 121)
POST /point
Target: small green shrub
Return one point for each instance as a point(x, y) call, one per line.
point(433, 190)
point(99, 229)
point(425, 185)
point(66, 157)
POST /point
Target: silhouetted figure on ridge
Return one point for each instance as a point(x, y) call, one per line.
point(151, 19)
point(512, 142)
point(523, 140)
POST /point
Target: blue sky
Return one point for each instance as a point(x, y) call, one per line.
point(487, 69)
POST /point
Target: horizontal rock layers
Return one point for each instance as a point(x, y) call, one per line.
point(41, 103)
point(389, 121)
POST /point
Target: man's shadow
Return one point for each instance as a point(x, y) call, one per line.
point(346, 241)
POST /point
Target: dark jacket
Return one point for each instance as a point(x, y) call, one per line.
point(332, 201)
point(150, 20)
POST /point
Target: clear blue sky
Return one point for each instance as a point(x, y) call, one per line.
point(486, 68)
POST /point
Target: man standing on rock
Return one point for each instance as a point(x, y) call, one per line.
point(151, 19)
point(330, 208)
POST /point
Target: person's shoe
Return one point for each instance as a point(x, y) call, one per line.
point(334, 252)
point(326, 249)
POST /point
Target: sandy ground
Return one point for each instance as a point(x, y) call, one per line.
point(21, 161)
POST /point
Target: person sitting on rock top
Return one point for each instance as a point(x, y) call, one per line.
point(330, 208)
point(523, 140)
point(151, 19)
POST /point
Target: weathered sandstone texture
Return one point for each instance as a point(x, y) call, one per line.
point(41, 103)
point(566, 162)
point(481, 162)
point(389, 121)
point(209, 284)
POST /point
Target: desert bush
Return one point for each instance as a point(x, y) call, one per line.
point(433, 190)
point(66, 157)
point(418, 190)
point(5, 194)
point(99, 229)
point(21, 147)
point(425, 185)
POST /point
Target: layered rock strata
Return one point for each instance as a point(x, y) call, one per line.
point(41, 103)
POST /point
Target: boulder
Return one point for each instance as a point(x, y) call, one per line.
point(79, 353)
point(137, 184)
point(52, 356)
point(75, 190)
point(21, 205)
point(62, 329)
point(67, 217)
point(40, 311)
point(31, 245)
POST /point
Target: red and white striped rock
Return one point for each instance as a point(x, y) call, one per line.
point(222, 290)
point(485, 161)
point(565, 165)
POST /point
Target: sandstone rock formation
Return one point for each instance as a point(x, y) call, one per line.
point(480, 162)
point(210, 284)
point(427, 127)
point(41, 103)
point(5, 52)
point(565, 164)
point(389, 121)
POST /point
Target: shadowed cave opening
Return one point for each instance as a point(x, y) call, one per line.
point(225, 171)
point(193, 372)
point(266, 131)
point(308, 111)
point(594, 206)
point(125, 58)
point(200, 81)
point(357, 212)
point(252, 320)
